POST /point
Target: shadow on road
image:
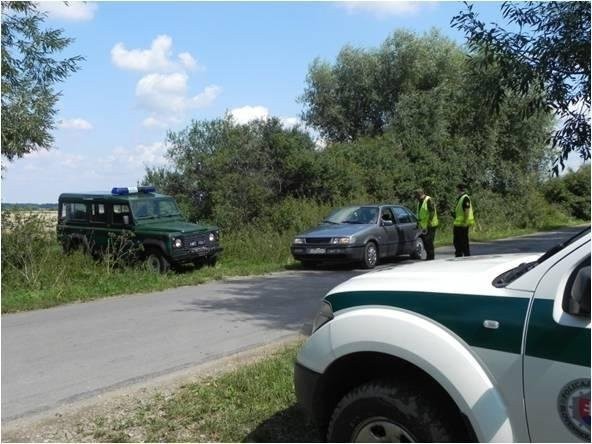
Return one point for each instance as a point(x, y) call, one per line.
point(289, 425)
point(283, 301)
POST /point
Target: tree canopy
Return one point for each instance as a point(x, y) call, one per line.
point(546, 49)
point(30, 72)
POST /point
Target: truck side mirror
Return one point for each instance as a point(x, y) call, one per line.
point(578, 303)
point(125, 219)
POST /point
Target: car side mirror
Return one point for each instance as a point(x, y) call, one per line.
point(579, 295)
point(386, 222)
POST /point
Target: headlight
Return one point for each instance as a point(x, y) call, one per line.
point(177, 243)
point(212, 237)
point(298, 240)
point(324, 315)
point(341, 240)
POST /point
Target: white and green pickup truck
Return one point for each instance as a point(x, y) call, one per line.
point(482, 348)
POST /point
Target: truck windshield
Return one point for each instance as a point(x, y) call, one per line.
point(511, 275)
point(157, 208)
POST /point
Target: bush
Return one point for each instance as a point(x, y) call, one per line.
point(571, 192)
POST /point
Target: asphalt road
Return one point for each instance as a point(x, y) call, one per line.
point(64, 354)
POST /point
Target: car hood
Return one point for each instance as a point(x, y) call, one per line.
point(172, 226)
point(467, 275)
point(332, 230)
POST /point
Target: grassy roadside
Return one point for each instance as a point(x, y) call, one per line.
point(55, 279)
point(254, 402)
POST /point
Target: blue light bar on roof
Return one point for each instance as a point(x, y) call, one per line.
point(131, 190)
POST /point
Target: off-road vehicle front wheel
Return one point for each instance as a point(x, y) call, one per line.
point(155, 261)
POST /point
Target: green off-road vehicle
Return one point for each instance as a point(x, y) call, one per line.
point(137, 219)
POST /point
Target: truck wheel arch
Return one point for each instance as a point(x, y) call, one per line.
point(467, 383)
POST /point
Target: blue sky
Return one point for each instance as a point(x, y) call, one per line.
point(155, 66)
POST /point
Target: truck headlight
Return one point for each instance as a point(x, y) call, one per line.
point(212, 237)
point(298, 241)
point(324, 315)
point(341, 240)
point(177, 243)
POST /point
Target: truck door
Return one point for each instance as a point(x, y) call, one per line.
point(557, 352)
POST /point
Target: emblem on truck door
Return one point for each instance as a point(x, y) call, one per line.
point(574, 407)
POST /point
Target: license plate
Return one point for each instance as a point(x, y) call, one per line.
point(200, 250)
point(316, 251)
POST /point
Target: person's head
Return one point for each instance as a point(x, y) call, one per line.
point(419, 194)
point(461, 188)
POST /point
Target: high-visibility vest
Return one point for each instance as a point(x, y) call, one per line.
point(459, 213)
point(423, 215)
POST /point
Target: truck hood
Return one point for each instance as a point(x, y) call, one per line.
point(334, 230)
point(172, 226)
point(467, 275)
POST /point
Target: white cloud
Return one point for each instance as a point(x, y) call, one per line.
point(73, 11)
point(53, 159)
point(157, 58)
point(248, 113)
point(291, 122)
point(187, 60)
point(386, 8)
point(143, 154)
point(155, 121)
point(76, 124)
point(167, 93)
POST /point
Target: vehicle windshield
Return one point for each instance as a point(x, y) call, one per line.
point(511, 275)
point(162, 207)
point(353, 215)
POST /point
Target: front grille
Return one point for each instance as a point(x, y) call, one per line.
point(318, 240)
point(196, 240)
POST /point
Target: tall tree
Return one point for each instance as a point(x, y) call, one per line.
point(548, 51)
point(29, 74)
point(357, 95)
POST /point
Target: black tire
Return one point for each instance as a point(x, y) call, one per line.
point(370, 255)
point(74, 244)
point(211, 261)
point(387, 411)
point(155, 261)
point(419, 252)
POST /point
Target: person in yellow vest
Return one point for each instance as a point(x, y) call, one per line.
point(463, 220)
point(427, 219)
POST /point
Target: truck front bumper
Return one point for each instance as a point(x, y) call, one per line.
point(192, 254)
point(305, 383)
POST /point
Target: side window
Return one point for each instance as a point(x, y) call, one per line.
point(387, 215)
point(402, 215)
point(576, 298)
point(121, 214)
point(73, 211)
point(97, 213)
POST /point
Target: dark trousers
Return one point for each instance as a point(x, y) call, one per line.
point(428, 242)
point(461, 241)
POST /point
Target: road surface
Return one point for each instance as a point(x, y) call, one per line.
point(64, 354)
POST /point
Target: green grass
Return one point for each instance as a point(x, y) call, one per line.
point(255, 403)
point(51, 278)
